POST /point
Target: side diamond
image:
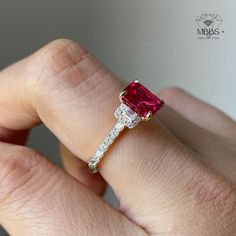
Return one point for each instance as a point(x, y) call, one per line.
point(126, 116)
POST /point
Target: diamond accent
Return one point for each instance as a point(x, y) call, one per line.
point(126, 116)
point(111, 137)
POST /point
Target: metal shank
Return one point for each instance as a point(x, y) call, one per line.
point(126, 117)
point(94, 161)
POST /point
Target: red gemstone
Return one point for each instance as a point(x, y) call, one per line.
point(141, 100)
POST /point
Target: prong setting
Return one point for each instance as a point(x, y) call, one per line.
point(122, 94)
point(147, 117)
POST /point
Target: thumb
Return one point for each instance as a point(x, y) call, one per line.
point(38, 198)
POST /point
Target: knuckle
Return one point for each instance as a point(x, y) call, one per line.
point(61, 61)
point(216, 195)
point(64, 67)
point(64, 64)
point(53, 58)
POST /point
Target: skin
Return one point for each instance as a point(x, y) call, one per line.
point(174, 175)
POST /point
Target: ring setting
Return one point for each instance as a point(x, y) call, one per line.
point(137, 104)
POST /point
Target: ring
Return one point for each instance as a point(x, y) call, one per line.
point(137, 104)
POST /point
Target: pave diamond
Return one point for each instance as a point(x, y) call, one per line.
point(93, 163)
point(126, 116)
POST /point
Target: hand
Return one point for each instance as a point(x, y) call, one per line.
point(174, 175)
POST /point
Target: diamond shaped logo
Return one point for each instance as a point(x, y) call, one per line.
point(208, 26)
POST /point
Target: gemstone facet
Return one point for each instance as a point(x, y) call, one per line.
point(141, 100)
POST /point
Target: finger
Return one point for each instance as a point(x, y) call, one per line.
point(79, 169)
point(199, 112)
point(75, 96)
point(197, 134)
point(216, 151)
point(38, 198)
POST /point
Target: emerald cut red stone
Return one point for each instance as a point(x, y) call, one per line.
point(141, 100)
